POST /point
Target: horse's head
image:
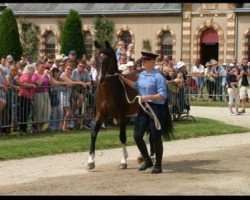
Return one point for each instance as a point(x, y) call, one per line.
point(106, 60)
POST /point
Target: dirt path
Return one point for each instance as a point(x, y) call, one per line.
point(215, 165)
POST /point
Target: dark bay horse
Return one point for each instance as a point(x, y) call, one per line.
point(111, 100)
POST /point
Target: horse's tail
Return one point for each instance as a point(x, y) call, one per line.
point(168, 128)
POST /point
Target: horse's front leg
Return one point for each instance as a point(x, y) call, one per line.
point(123, 139)
point(94, 132)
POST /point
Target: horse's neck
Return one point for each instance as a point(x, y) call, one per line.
point(132, 76)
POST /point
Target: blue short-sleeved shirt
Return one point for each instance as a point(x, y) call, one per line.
point(150, 84)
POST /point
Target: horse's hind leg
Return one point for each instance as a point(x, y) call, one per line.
point(123, 139)
point(95, 129)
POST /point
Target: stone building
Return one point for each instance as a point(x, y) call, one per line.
point(184, 31)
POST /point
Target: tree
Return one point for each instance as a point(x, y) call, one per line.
point(29, 38)
point(104, 30)
point(9, 36)
point(72, 37)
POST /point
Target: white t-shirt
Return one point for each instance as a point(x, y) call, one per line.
point(93, 74)
point(198, 71)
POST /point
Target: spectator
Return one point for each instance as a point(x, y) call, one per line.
point(197, 73)
point(61, 66)
point(233, 91)
point(173, 90)
point(3, 89)
point(166, 60)
point(218, 79)
point(28, 59)
point(158, 65)
point(130, 51)
point(25, 96)
point(56, 108)
point(93, 70)
point(57, 62)
point(120, 51)
point(82, 80)
point(122, 66)
point(86, 60)
point(23, 59)
point(72, 58)
point(138, 64)
point(20, 67)
point(181, 78)
point(3, 66)
point(42, 105)
point(223, 73)
point(65, 96)
point(210, 81)
point(9, 62)
point(130, 68)
point(11, 106)
point(244, 82)
point(49, 61)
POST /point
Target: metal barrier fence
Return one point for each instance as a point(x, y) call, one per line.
point(207, 88)
point(72, 107)
point(59, 107)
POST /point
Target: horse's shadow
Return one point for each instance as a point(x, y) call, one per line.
point(194, 167)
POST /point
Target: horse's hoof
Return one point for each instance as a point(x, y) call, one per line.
point(123, 166)
point(139, 160)
point(91, 165)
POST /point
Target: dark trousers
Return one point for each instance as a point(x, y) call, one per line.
point(23, 112)
point(142, 122)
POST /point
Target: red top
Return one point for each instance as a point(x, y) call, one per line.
point(26, 92)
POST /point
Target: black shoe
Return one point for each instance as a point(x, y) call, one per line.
point(156, 170)
point(145, 165)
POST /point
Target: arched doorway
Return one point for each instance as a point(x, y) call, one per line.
point(248, 46)
point(209, 45)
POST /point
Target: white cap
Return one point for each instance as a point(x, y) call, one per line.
point(59, 57)
point(130, 64)
point(123, 67)
point(158, 67)
point(231, 65)
point(224, 64)
point(65, 57)
point(180, 64)
point(10, 58)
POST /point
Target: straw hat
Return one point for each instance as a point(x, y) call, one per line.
point(180, 64)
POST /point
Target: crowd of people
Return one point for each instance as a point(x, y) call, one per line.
point(59, 90)
point(52, 90)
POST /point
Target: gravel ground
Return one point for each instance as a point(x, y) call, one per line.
point(217, 165)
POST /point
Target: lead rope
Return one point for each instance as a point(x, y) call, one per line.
point(151, 113)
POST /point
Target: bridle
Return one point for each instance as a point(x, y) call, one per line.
point(144, 105)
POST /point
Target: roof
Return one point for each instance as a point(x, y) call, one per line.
point(94, 8)
point(243, 8)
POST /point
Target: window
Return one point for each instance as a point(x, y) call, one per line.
point(126, 38)
point(88, 44)
point(50, 44)
point(166, 45)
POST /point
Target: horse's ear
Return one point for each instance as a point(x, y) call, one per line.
point(107, 44)
point(97, 45)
